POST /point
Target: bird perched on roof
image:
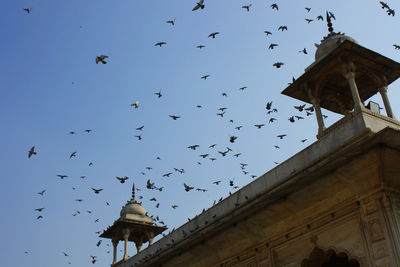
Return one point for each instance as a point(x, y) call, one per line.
point(213, 34)
point(199, 4)
point(172, 22)
point(101, 59)
point(247, 7)
point(31, 152)
point(97, 191)
point(160, 44)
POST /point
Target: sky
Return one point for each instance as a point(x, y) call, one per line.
point(51, 85)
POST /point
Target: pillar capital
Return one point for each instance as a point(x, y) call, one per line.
point(348, 70)
point(383, 89)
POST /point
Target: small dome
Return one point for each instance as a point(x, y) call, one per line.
point(330, 42)
point(134, 211)
point(133, 207)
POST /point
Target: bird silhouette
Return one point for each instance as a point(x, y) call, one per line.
point(278, 64)
point(268, 33)
point(28, 10)
point(271, 46)
point(309, 20)
point(397, 47)
point(275, 6)
point(122, 179)
point(62, 176)
point(282, 28)
point(31, 152)
point(172, 22)
point(281, 136)
point(308, 9)
point(97, 191)
point(174, 117)
point(160, 44)
point(158, 94)
point(42, 192)
point(213, 34)
point(247, 7)
point(199, 4)
point(73, 154)
point(259, 125)
point(232, 138)
point(101, 59)
point(205, 77)
point(188, 188)
point(135, 105)
point(200, 46)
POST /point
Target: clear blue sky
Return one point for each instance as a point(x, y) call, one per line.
point(50, 85)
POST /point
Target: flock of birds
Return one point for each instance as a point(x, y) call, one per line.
point(214, 151)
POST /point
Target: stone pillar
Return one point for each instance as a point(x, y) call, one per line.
point(125, 233)
point(115, 246)
point(349, 74)
point(318, 114)
point(388, 108)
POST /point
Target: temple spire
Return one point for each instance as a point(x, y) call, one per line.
point(133, 191)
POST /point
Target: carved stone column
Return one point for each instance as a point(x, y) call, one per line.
point(349, 73)
point(318, 114)
point(385, 99)
point(126, 232)
point(115, 245)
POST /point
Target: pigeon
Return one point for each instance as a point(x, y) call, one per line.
point(282, 28)
point(172, 22)
point(268, 33)
point(140, 128)
point(275, 6)
point(247, 7)
point(200, 46)
point(97, 191)
point(135, 105)
point(304, 51)
point(193, 147)
point(199, 4)
point(397, 47)
point(205, 77)
point(73, 154)
point(158, 94)
point(309, 20)
point(187, 188)
point(39, 209)
point(259, 125)
point(281, 136)
point(62, 176)
point(213, 34)
point(278, 64)
point(232, 138)
point(88, 131)
point(174, 117)
point(101, 59)
point(28, 10)
point(42, 192)
point(160, 44)
point(308, 9)
point(271, 46)
point(320, 17)
point(31, 152)
point(122, 179)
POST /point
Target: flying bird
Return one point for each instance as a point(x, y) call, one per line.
point(275, 6)
point(31, 152)
point(172, 22)
point(174, 117)
point(96, 191)
point(309, 20)
point(205, 77)
point(73, 154)
point(247, 7)
point(259, 125)
point(213, 34)
point(199, 4)
point(62, 176)
point(200, 46)
point(187, 188)
point(278, 64)
point(140, 128)
point(42, 192)
point(160, 44)
point(282, 28)
point(304, 51)
point(271, 46)
point(308, 9)
point(397, 47)
point(281, 136)
point(135, 105)
point(232, 138)
point(158, 94)
point(101, 59)
point(268, 33)
point(28, 10)
point(122, 179)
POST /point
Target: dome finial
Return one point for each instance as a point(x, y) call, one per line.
point(133, 191)
point(328, 20)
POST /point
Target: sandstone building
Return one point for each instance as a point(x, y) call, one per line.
point(335, 203)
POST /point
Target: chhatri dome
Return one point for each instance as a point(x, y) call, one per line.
point(134, 211)
point(331, 41)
